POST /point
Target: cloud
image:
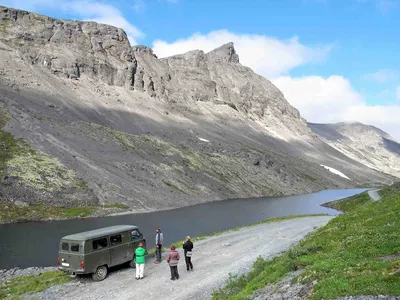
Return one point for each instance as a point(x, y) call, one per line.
point(88, 10)
point(315, 94)
point(381, 76)
point(333, 99)
point(398, 93)
point(267, 56)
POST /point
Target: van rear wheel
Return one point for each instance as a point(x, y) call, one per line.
point(100, 274)
point(132, 263)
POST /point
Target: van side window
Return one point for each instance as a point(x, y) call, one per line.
point(116, 239)
point(65, 246)
point(75, 247)
point(99, 243)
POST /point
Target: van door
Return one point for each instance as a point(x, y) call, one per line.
point(70, 255)
point(120, 249)
point(99, 254)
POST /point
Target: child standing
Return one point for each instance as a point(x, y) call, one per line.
point(140, 261)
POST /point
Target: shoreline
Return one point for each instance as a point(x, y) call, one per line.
point(297, 229)
point(144, 211)
point(34, 269)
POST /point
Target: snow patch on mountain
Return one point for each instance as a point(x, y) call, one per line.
point(337, 172)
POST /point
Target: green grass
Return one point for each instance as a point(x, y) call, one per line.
point(13, 213)
point(178, 244)
point(343, 256)
point(349, 204)
point(7, 141)
point(31, 284)
point(78, 211)
point(116, 205)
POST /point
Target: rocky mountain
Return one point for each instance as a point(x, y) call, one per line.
point(88, 120)
point(367, 144)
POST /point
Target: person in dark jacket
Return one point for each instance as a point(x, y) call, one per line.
point(173, 259)
point(159, 243)
point(188, 247)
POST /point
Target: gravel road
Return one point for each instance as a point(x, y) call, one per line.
point(374, 195)
point(213, 259)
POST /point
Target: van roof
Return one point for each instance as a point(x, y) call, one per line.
point(99, 232)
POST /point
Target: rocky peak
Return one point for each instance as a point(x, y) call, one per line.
point(224, 53)
point(75, 49)
point(67, 48)
point(143, 49)
point(195, 58)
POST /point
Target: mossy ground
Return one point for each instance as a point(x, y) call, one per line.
point(11, 212)
point(34, 168)
point(232, 171)
point(31, 284)
point(343, 257)
point(116, 205)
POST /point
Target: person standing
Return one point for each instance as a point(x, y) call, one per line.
point(188, 247)
point(159, 243)
point(140, 261)
point(173, 259)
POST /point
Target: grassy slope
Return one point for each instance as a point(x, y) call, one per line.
point(33, 168)
point(342, 257)
point(37, 170)
point(13, 288)
point(11, 212)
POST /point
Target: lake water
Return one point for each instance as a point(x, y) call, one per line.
point(36, 243)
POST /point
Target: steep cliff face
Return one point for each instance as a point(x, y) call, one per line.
point(155, 133)
point(219, 78)
point(69, 48)
point(367, 144)
point(100, 52)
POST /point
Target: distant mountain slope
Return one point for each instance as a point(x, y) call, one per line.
point(153, 133)
point(370, 145)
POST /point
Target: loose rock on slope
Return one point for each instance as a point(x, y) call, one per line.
point(129, 123)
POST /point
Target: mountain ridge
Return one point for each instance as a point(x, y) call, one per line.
point(369, 144)
point(156, 133)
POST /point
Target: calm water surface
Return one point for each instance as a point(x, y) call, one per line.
point(36, 243)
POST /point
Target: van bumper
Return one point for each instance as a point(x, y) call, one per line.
point(73, 272)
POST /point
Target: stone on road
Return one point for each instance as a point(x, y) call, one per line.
point(212, 260)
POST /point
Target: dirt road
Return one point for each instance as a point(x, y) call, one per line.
point(213, 259)
point(374, 195)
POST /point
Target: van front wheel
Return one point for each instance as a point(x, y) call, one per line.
point(132, 263)
point(100, 274)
